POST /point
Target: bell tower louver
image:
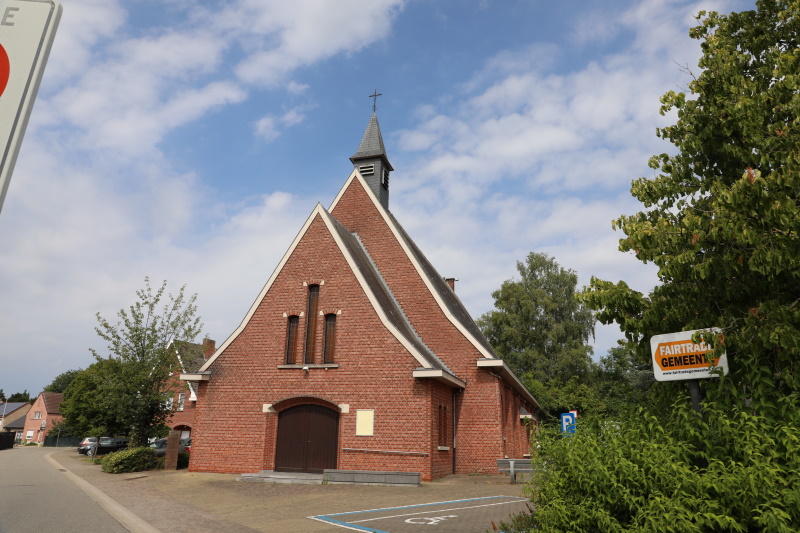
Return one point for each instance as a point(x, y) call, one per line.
point(371, 161)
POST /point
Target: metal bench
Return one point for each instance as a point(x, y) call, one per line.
point(514, 467)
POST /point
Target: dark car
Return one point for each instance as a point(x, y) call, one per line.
point(106, 445)
point(86, 443)
point(160, 446)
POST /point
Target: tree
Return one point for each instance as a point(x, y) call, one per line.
point(139, 343)
point(2, 396)
point(89, 406)
point(21, 397)
point(622, 380)
point(541, 329)
point(721, 221)
point(62, 381)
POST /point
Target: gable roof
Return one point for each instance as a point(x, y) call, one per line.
point(6, 409)
point(52, 402)
point(446, 299)
point(443, 295)
point(376, 290)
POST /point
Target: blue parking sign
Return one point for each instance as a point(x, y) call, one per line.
point(567, 423)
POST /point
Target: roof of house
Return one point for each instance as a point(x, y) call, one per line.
point(6, 409)
point(52, 402)
point(190, 355)
point(17, 420)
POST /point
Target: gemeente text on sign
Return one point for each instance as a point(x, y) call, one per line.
point(676, 356)
point(27, 30)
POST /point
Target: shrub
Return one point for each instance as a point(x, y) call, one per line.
point(130, 460)
point(729, 471)
point(183, 460)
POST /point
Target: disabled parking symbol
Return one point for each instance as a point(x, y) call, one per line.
point(429, 520)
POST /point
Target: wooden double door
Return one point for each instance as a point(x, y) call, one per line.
point(308, 439)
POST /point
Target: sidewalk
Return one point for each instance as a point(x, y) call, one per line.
point(191, 502)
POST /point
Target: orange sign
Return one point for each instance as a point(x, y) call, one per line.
point(683, 354)
point(676, 356)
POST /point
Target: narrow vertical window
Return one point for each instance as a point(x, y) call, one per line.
point(311, 323)
point(181, 400)
point(329, 348)
point(291, 339)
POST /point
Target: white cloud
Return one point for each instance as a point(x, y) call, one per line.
point(299, 33)
point(267, 128)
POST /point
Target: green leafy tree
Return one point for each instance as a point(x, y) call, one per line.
point(721, 222)
point(2, 396)
point(139, 343)
point(24, 396)
point(89, 407)
point(622, 380)
point(62, 381)
point(541, 329)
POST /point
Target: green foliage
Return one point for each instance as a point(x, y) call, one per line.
point(129, 460)
point(641, 474)
point(89, 406)
point(721, 222)
point(623, 380)
point(541, 329)
point(62, 381)
point(21, 397)
point(139, 343)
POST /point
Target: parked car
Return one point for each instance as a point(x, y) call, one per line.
point(160, 446)
point(107, 445)
point(85, 444)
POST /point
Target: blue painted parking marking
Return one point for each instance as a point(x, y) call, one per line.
point(409, 517)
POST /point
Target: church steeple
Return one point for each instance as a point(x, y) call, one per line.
point(371, 161)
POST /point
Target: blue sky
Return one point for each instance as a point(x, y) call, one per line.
point(189, 140)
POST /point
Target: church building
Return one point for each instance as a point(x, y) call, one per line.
point(358, 355)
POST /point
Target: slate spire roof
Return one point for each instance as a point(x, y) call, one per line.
point(372, 143)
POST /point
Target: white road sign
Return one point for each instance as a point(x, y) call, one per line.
point(27, 30)
point(676, 356)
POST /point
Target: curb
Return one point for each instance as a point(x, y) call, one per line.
point(129, 520)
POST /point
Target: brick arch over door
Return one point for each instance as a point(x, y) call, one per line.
point(308, 439)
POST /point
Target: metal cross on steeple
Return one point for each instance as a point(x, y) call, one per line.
point(374, 97)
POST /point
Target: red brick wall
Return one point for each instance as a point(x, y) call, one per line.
point(479, 439)
point(374, 373)
point(35, 424)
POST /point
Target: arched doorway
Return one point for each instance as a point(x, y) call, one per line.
point(308, 438)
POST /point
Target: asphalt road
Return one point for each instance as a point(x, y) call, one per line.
point(35, 495)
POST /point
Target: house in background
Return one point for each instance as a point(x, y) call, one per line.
point(358, 355)
point(190, 357)
point(43, 415)
point(12, 417)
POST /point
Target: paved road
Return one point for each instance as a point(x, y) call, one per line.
point(36, 496)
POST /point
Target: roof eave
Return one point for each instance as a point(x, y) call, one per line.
point(509, 377)
point(197, 376)
point(439, 375)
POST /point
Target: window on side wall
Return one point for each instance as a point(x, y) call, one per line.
point(29, 435)
point(181, 400)
point(291, 339)
point(329, 346)
point(311, 324)
point(37, 415)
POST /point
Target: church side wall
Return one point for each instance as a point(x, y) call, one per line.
point(479, 432)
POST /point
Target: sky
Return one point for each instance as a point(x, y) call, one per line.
point(189, 140)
